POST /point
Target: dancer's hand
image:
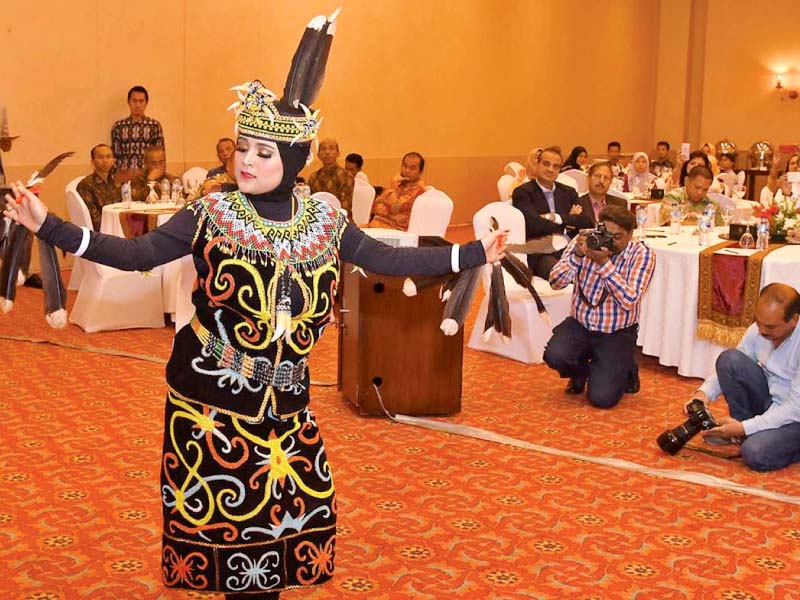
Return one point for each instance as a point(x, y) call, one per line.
point(29, 211)
point(494, 245)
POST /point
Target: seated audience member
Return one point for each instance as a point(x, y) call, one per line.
point(549, 208)
point(661, 159)
point(353, 163)
point(777, 184)
point(614, 150)
point(225, 148)
point(695, 195)
point(576, 159)
point(596, 199)
point(596, 343)
point(639, 177)
point(154, 168)
point(760, 380)
point(727, 176)
point(331, 177)
point(696, 159)
point(392, 209)
point(99, 188)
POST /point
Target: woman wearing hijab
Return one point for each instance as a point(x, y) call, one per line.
point(576, 159)
point(639, 176)
point(247, 493)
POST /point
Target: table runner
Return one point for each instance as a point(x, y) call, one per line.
point(728, 290)
point(138, 222)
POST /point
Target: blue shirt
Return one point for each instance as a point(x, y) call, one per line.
point(781, 366)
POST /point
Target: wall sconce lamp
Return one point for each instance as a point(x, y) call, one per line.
point(791, 94)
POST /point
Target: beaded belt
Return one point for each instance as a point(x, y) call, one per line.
point(260, 369)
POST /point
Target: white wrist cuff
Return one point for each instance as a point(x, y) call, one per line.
point(84, 242)
point(454, 258)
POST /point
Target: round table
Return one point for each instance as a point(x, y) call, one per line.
point(668, 318)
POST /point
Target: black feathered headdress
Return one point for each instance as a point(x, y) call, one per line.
point(289, 120)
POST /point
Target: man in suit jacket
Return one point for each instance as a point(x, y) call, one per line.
point(597, 198)
point(549, 207)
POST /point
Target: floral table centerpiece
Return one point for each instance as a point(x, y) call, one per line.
point(783, 219)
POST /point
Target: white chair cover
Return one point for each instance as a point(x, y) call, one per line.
point(567, 180)
point(430, 214)
point(73, 184)
point(192, 177)
point(514, 169)
point(504, 187)
point(362, 176)
point(766, 196)
point(530, 332)
point(363, 197)
point(110, 299)
point(329, 198)
point(620, 195)
point(78, 215)
point(580, 179)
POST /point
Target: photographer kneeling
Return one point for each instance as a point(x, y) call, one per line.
point(610, 272)
point(760, 380)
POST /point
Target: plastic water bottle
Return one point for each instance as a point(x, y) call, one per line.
point(177, 192)
point(762, 237)
point(703, 230)
point(125, 191)
point(674, 219)
point(164, 186)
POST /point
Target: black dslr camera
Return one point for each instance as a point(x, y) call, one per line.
point(672, 440)
point(600, 238)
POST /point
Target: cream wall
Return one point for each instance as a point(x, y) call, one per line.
point(745, 47)
point(470, 84)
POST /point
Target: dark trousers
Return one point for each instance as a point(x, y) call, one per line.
point(745, 388)
point(541, 264)
point(605, 358)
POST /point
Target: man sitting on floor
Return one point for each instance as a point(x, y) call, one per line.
point(760, 380)
point(596, 342)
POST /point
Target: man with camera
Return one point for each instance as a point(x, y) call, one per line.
point(760, 380)
point(610, 272)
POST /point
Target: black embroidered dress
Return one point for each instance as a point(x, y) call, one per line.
point(248, 497)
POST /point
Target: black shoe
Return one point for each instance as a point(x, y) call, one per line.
point(634, 385)
point(576, 385)
point(34, 281)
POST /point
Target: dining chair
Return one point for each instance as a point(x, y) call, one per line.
point(504, 187)
point(430, 214)
point(580, 179)
point(514, 169)
point(109, 299)
point(567, 180)
point(329, 198)
point(530, 331)
point(193, 177)
point(78, 215)
point(363, 197)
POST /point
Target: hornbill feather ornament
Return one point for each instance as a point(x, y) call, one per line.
point(16, 255)
point(458, 289)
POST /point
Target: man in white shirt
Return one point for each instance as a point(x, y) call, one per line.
point(760, 379)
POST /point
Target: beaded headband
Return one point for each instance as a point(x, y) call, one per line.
point(258, 116)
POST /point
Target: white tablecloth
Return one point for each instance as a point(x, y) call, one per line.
point(742, 212)
point(668, 318)
point(110, 223)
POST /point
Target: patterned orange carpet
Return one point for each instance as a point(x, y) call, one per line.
point(423, 514)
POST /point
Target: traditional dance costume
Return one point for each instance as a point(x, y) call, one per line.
point(248, 496)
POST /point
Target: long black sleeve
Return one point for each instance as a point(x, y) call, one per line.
point(168, 242)
point(360, 249)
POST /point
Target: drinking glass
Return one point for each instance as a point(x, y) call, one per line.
point(747, 241)
point(739, 191)
point(726, 212)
